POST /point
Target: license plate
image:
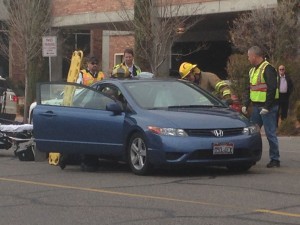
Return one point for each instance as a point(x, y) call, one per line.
point(223, 148)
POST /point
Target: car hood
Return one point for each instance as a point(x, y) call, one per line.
point(199, 118)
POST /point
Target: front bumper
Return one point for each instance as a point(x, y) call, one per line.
point(199, 150)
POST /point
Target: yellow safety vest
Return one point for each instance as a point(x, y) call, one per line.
point(258, 86)
point(88, 79)
point(135, 68)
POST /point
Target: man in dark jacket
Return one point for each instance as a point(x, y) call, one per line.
point(285, 90)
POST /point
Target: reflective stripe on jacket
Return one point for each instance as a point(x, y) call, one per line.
point(223, 89)
point(88, 79)
point(212, 83)
point(258, 86)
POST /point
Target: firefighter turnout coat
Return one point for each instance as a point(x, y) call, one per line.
point(212, 83)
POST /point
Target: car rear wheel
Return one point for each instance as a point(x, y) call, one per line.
point(137, 155)
point(239, 167)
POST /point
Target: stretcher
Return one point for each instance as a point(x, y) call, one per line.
point(19, 137)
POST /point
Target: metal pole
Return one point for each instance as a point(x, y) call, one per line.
point(49, 68)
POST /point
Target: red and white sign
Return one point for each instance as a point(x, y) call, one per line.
point(49, 46)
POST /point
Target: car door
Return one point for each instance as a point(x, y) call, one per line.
point(79, 123)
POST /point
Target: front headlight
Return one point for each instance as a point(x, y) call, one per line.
point(168, 131)
point(251, 129)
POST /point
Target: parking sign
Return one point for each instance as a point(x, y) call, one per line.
point(49, 46)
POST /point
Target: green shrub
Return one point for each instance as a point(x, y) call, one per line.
point(287, 127)
point(297, 111)
point(238, 72)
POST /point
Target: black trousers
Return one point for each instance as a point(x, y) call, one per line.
point(283, 106)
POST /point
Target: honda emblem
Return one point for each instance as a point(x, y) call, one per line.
point(218, 133)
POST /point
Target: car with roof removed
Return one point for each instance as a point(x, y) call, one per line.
point(147, 123)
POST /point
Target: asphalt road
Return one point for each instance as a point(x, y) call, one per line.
point(35, 193)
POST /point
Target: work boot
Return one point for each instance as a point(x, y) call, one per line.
point(273, 163)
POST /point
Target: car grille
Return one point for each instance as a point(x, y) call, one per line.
point(210, 133)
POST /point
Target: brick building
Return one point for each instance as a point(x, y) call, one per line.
point(91, 22)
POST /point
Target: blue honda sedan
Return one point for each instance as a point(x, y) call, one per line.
point(145, 122)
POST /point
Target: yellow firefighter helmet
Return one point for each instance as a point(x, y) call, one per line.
point(185, 68)
point(120, 71)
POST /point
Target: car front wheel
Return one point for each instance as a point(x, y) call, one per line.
point(137, 155)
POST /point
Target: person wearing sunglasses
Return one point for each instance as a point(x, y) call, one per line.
point(285, 90)
point(91, 73)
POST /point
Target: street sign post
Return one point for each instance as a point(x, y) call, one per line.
point(49, 49)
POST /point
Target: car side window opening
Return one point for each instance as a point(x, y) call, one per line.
point(114, 93)
point(71, 95)
point(92, 99)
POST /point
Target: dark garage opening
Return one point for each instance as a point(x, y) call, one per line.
point(4, 65)
point(211, 59)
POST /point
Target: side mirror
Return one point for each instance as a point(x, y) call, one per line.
point(114, 107)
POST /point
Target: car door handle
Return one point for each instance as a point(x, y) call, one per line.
point(48, 114)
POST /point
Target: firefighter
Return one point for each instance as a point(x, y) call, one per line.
point(128, 62)
point(91, 74)
point(206, 80)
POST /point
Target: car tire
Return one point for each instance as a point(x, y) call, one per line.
point(137, 155)
point(239, 167)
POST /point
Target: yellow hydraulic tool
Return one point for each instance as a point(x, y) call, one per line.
point(72, 77)
point(54, 158)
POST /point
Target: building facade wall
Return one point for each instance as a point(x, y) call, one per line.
point(96, 43)
point(66, 7)
point(96, 15)
point(100, 13)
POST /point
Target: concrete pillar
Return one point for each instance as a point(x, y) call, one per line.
point(105, 52)
point(96, 43)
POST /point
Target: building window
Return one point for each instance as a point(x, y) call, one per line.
point(118, 58)
point(74, 40)
point(83, 42)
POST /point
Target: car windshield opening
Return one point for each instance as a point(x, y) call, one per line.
point(165, 94)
